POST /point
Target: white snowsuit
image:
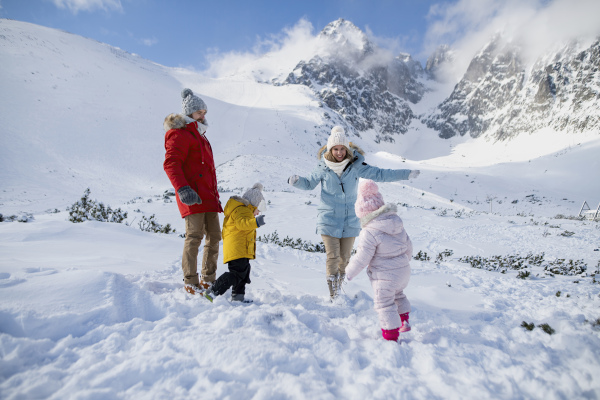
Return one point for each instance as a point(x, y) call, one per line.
point(385, 247)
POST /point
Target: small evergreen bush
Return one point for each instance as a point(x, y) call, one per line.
point(422, 256)
point(150, 225)
point(89, 210)
point(527, 326)
point(547, 328)
point(567, 233)
point(562, 267)
point(22, 217)
point(503, 263)
point(441, 257)
point(523, 274)
point(297, 244)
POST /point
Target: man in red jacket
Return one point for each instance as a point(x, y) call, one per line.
point(190, 167)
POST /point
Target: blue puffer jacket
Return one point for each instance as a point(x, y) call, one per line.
point(338, 194)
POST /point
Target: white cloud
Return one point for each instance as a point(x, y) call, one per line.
point(281, 51)
point(535, 25)
point(279, 54)
point(89, 5)
point(149, 42)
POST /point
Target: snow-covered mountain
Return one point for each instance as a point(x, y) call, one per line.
point(369, 88)
point(501, 97)
point(70, 104)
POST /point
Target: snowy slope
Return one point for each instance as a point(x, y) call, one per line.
point(96, 310)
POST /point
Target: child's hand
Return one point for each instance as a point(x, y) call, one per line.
point(260, 220)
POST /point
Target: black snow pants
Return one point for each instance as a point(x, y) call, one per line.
point(237, 277)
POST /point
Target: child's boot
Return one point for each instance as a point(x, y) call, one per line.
point(405, 325)
point(391, 334)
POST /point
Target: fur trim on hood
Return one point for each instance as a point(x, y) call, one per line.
point(353, 147)
point(241, 200)
point(174, 121)
point(386, 208)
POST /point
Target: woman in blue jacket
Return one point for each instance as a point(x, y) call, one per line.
point(340, 165)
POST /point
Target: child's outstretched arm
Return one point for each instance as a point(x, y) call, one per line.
point(367, 245)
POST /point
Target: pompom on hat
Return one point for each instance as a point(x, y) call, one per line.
point(369, 199)
point(191, 103)
point(337, 137)
point(255, 197)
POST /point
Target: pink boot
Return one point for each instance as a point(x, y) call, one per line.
point(391, 334)
point(405, 325)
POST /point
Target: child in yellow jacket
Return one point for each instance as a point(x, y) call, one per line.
point(239, 242)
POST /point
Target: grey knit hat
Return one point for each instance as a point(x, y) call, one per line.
point(255, 197)
point(190, 103)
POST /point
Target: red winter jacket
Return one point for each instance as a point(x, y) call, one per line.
point(189, 162)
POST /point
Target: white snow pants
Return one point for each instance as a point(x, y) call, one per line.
point(390, 300)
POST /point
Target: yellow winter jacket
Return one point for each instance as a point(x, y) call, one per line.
point(239, 230)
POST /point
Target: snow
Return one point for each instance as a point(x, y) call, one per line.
point(96, 310)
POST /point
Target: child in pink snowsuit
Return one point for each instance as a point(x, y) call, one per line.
point(386, 249)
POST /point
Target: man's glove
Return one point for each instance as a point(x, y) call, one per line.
point(260, 220)
point(188, 196)
point(293, 179)
point(414, 173)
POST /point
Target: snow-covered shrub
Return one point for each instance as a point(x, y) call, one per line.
point(298, 244)
point(561, 266)
point(504, 263)
point(570, 217)
point(150, 225)
point(441, 257)
point(546, 328)
point(527, 326)
point(22, 217)
point(422, 256)
point(523, 274)
point(168, 195)
point(567, 233)
point(89, 210)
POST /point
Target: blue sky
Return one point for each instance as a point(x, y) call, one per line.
point(189, 33)
point(182, 32)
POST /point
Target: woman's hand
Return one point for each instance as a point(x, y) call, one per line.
point(414, 173)
point(293, 179)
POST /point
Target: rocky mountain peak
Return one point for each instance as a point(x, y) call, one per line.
point(368, 91)
point(346, 40)
point(442, 55)
point(500, 97)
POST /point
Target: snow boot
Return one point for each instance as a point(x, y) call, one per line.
point(339, 282)
point(193, 289)
point(405, 325)
point(390, 334)
point(332, 285)
point(209, 294)
point(203, 285)
point(241, 298)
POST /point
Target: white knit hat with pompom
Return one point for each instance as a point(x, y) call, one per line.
point(337, 137)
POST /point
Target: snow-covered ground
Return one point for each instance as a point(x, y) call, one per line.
point(96, 310)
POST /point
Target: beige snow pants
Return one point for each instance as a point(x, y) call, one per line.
point(196, 227)
point(338, 253)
